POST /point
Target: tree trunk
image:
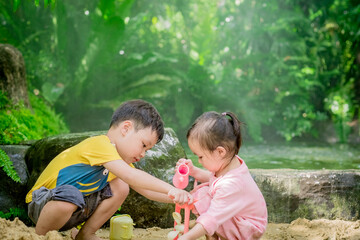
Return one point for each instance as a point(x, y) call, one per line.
point(12, 74)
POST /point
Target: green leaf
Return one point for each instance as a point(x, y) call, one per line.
point(14, 212)
point(7, 165)
point(16, 4)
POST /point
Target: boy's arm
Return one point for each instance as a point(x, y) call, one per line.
point(138, 178)
point(155, 196)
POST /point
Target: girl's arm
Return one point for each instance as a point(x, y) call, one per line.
point(199, 174)
point(197, 231)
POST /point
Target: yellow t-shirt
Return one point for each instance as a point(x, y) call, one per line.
point(80, 166)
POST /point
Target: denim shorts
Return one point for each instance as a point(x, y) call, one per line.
point(86, 205)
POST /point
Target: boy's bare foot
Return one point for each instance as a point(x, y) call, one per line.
point(78, 235)
point(74, 232)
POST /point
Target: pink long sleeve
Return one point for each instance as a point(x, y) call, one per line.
point(237, 209)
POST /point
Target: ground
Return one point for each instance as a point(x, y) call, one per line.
point(300, 229)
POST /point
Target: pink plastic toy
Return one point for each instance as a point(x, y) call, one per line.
point(181, 180)
point(181, 177)
point(187, 209)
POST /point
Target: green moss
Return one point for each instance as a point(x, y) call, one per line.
point(19, 123)
point(346, 205)
point(304, 210)
point(277, 200)
point(311, 209)
point(340, 206)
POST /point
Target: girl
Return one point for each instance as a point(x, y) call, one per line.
point(229, 203)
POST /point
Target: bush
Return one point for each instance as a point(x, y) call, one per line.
point(19, 123)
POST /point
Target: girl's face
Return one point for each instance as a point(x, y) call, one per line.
point(212, 161)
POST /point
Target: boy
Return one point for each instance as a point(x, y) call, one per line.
point(90, 181)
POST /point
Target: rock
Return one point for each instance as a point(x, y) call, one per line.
point(12, 74)
point(43, 151)
point(311, 194)
point(12, 193)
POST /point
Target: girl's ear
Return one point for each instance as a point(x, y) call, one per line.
point(221, 151)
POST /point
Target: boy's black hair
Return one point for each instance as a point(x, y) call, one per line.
point(143, 114)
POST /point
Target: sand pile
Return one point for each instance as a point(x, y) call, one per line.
point(300, 229)
point(322, 229)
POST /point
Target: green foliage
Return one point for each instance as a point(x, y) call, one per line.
point(279, 65)
point(339, 104)
point(16, 213)
point(16, 3)
point(7, 165)
point(19, 123)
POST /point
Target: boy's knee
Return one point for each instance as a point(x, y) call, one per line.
point(65, 207)
point(119, 188)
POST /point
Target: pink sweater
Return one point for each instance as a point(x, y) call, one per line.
point(232, 205)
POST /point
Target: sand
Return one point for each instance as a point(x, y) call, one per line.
point(300, 229)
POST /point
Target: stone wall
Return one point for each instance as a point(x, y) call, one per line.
point(311, 194)
point(289, 194)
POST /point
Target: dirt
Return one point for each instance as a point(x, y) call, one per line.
point(300, 229)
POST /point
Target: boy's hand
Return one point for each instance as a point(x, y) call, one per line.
point(180, 196)
point(188, 162)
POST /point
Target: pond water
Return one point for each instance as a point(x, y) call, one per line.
point(298, 156)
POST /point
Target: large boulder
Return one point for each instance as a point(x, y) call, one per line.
point(311, 194)
point(43, 151)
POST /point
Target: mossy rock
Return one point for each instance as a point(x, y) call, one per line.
point(43, 151)
point(311, 194)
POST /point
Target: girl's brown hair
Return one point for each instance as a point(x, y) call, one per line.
point(213, 129)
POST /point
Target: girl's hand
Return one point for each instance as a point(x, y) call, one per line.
point(195, 233)
point(189, 163)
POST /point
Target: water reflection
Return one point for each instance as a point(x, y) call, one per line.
point(298, 156)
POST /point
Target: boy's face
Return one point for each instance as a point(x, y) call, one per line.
point(131, 144)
